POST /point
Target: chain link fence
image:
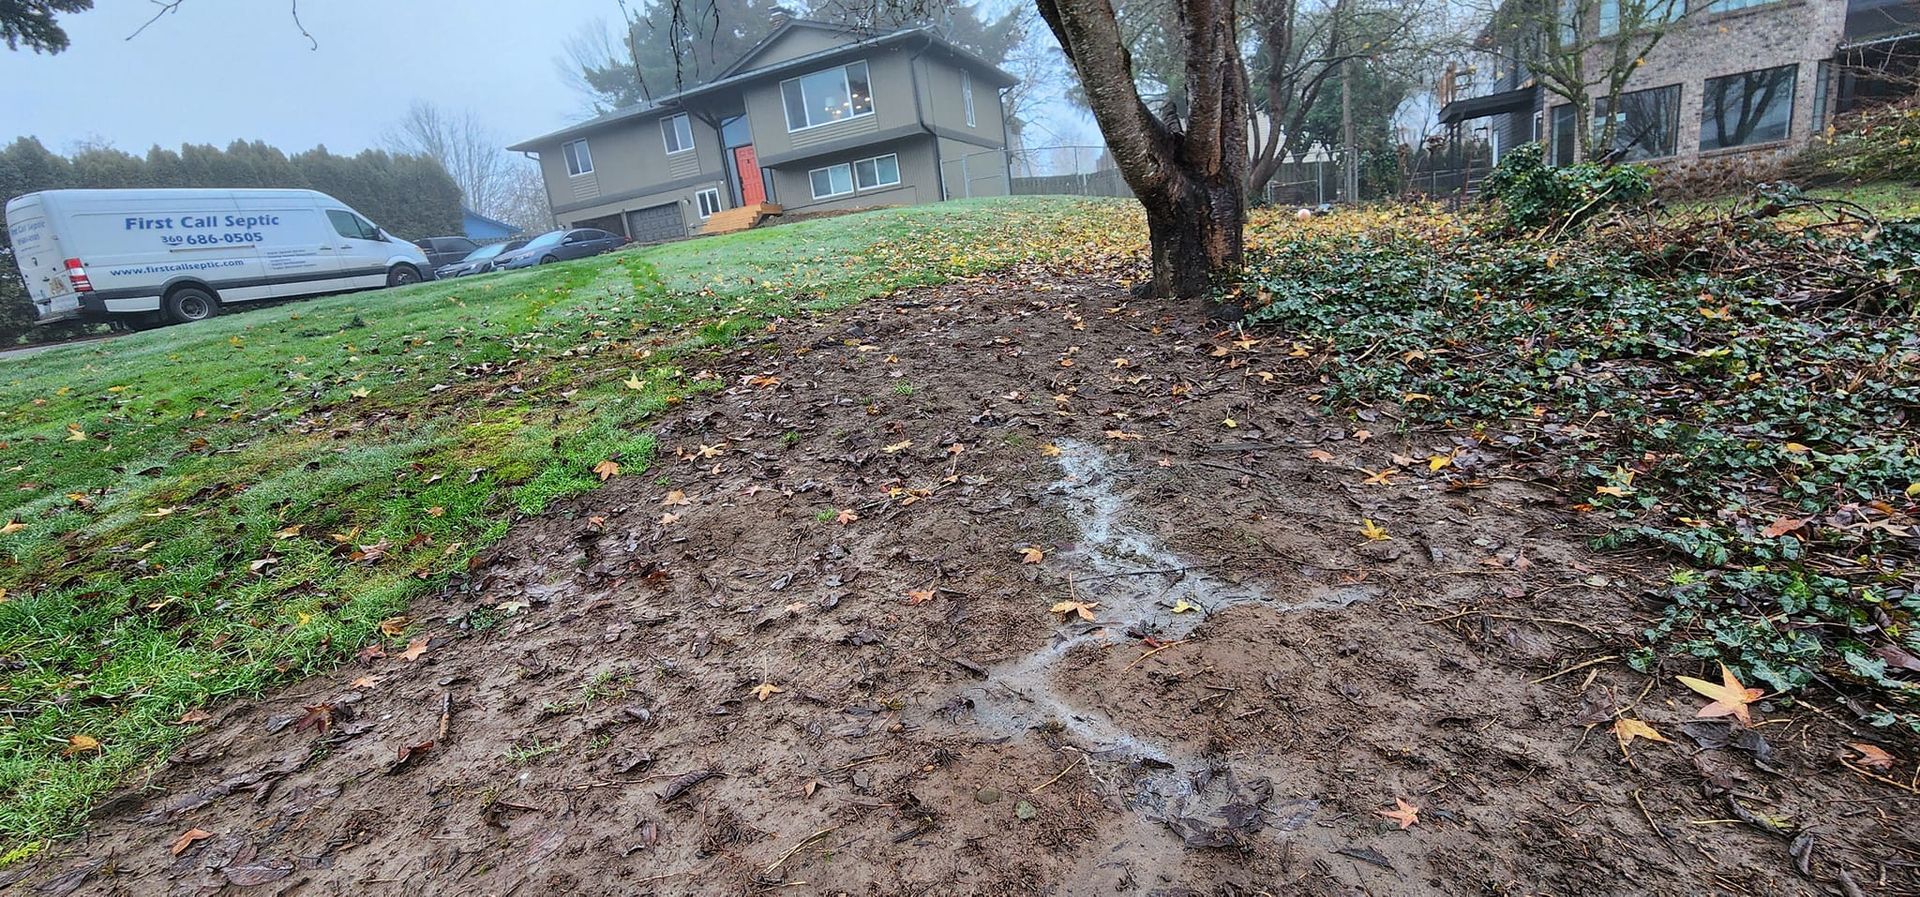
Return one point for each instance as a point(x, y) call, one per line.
point(1089, 171)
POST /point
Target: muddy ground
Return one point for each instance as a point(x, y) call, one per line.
point(836, 667)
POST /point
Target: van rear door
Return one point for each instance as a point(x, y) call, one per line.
point(36, 250)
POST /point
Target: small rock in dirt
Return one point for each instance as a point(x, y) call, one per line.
point(1025, 810)
point(987, 795)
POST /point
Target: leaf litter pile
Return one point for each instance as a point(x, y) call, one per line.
point(1013, 587)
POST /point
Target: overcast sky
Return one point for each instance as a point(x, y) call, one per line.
point(221, 70)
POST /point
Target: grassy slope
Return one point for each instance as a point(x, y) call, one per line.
point(202, 511)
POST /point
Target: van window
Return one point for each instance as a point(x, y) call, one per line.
point(352, 226)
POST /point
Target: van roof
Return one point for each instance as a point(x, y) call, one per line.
point(165, 192)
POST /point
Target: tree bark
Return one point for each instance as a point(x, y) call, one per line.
point(1190, 175)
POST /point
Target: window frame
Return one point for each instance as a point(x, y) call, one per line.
point(966, 95)
point(667, 127)
point(1673, 138)
point(700, 202)
point(574, 157)
point(877, 183)
point(1790, 98)
point(846, 83)
point(362, 225)
point(815, 189)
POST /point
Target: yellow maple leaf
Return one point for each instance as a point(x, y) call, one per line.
point(846, 516)
point(1730, 698)
point(1053, 451)
point(1373, 531)
point(633, 381)
point(1083, 609)
point(766, 690)
point(81, 744)
point(1031, 555)
point(290, 532)
point(607, 469)
point(1627, 728)
point(12, 526)
point(1182, 606)
point(900, 446)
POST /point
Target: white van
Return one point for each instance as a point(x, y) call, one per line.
point(180, 255)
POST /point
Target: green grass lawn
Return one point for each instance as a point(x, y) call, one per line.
point(1887, 200)
point(199, 512)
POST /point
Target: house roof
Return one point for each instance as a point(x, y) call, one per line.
point(675, 102)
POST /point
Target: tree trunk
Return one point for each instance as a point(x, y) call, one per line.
point(1191, 175)
point(1195, 232)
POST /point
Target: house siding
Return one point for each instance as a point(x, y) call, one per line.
point(629, 159)
point(682, 196)
point(919, 178)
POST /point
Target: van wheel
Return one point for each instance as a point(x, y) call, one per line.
point(401, 275)
point(189, 304)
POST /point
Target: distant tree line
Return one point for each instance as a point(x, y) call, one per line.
point(411, 196)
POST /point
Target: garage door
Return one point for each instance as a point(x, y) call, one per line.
point(656, 224)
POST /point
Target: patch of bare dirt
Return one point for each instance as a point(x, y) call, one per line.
point(811, 652)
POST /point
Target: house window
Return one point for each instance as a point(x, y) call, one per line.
point(1563, 142)
point(579, 161)
point(677, 131)
point(1638, 14)
point(880, 171)
point(709, 201)
point(966, 94)
point(1751, 107)
point(823, 98)
point(833, 180)
point(1647, 125)
point(1713, 6)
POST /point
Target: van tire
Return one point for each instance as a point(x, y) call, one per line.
point(401, 275)
point(188, 304)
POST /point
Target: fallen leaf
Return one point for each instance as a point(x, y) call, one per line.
point(1229, 422)
point(633, 381)
point(1182, 606)
point(900, 446)
point(1615, 491)
point(193, 716)
point(511, 607)
point(1050, 450)
point(1070, 608)
point(81, 744)
point(393, 626)
point(1730, 698)
point(415, 648)
point(365, 682)
point(290, 532)
point(846, 516)
point(1379, 477)
point(1784, 525)
point(669, 518)
point(436, 511)
point(162, 512)
point(1436, 463)
point(187, 839)
point(1373, 531)
point(318, 717)
point(1321, 455)
point(13, 526)
point(676, 497)
point(919, 596)
point(1404, 813)
point(766, 690)
point(1627, 728)
point(1872, 757)
point(607, 469)
point(1031, 555)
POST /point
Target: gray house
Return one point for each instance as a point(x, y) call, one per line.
point(815, 117)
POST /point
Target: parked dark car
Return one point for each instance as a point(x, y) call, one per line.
point(479, 261)
point(445, 250)
point(559, 246)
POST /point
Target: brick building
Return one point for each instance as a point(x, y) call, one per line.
point(1731, 80)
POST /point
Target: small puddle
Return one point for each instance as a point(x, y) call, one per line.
point(1137, 581)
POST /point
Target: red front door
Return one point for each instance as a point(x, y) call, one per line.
point(753, 191)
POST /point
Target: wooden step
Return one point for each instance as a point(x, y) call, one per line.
point(739, 219)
